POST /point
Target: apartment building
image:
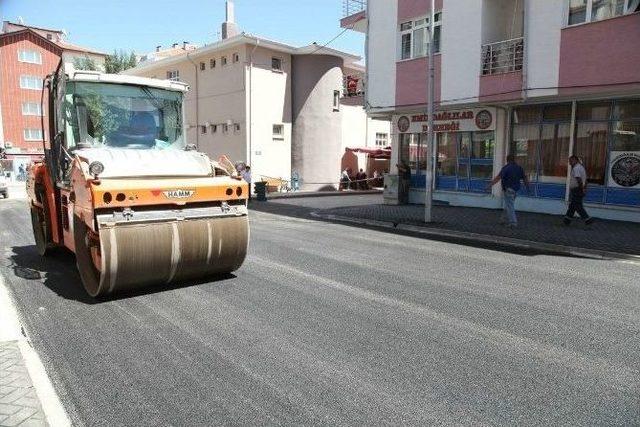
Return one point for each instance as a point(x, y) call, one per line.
point(27, 55)
point(541, 80)
point(276, 107)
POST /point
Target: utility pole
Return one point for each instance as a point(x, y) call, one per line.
point(428, 202)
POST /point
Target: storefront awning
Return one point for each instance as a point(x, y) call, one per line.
point(376, 153)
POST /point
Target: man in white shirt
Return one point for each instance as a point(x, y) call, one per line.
point(577, 191)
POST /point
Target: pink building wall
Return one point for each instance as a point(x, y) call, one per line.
point(411, 81)
point(408, 9)
point(501, 87)
point(600, 55)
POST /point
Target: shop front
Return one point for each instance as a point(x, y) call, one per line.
point(472, 145)
point(465, 150)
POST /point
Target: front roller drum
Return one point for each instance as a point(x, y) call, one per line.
point(129, 257)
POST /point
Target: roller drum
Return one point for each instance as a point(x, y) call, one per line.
point(145, 254)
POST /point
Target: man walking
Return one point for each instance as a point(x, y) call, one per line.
point(404, 171)
point(510, 177)
point(577, 191)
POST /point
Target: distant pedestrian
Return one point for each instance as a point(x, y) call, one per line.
point(577, 191)
point(295, 181)
point(362, 180)
point(246, 175)
point(510, 176)
point(404, 171)
point(345, 179)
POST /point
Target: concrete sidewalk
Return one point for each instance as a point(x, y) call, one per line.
point(602, 238)
point(606, 239)
point(27, 397)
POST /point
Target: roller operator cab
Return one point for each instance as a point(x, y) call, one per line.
point(121, 188)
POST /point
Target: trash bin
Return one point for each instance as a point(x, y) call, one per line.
point(261, 191)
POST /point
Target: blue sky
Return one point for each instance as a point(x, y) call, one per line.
point(140, 25)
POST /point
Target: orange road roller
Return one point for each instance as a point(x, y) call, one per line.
point(121, 188)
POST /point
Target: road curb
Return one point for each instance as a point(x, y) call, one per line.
point(300, 195)
point(484, 238)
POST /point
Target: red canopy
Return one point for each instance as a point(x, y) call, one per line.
point(376, 153)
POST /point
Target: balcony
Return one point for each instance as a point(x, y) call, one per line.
point(353, 86)
point(501, 78)
point(354, 14)
point(351, 7)
point(502, 57)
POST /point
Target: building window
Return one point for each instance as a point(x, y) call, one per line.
point(236, 57)
point(30, 82)
point(225, 128)
point(203, 66)
point(49, 36)
point(173, 75)
point(30, 56)
point(236, 127)
point(212, 63)
point(414, 37)
point(382, 139)
point(223, 61)
point(276, 64)
point(336, 100)
point(31, 109)
point(214, 128)
point(278, 132)
point(32, 134)
point(203, 129)
point(581, 11)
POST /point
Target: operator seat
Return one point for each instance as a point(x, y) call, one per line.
point(143, 129)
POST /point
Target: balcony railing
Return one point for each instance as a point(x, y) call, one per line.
point(351, 7)
point(353, 85)
point(502, 57)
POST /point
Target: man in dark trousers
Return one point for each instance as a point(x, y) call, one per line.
point(577, 191)
point(404, 172)
point(510, 176)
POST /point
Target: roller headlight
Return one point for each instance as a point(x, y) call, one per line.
point(96, 168)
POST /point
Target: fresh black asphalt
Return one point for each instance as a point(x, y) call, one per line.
point(338, 325)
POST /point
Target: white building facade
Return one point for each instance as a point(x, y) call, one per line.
point(541, 80)
point(279, 108)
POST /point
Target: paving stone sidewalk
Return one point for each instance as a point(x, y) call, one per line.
point(19, 404)
point(603, 235)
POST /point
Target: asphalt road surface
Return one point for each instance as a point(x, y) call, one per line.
point(338, 325)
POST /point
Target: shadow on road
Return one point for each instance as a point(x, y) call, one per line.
point(302, 212)
point(58, 272)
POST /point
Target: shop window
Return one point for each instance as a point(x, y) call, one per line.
point(540, 142)
point(530, 114)
point(591, 147)
point(626, 136)
point(554, 153)
point(524, 146)
point(627, 110)
point(593, 111)
point(483, 145)
point(557, 113)
point(447, 155)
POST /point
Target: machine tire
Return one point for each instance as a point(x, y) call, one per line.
point(41, 233)
point(89, 274)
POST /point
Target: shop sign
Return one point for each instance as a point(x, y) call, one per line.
point(624, 171)
point(478, 119)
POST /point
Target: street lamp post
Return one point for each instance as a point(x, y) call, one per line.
point(428, 203)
